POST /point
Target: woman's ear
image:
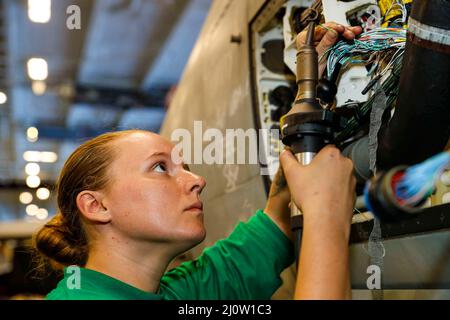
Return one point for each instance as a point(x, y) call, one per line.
point(90, 204)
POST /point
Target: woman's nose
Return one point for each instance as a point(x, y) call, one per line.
point(196, 183)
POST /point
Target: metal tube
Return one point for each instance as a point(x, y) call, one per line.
point(307, 68)
point(303, 158)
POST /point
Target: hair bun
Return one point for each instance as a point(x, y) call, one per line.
point(57, 243)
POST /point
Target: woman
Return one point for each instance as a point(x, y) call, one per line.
point(126, 210)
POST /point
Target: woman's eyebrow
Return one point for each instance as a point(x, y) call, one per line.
point(166, 155)
point(156, 154)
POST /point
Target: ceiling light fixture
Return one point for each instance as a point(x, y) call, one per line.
point(39, 11)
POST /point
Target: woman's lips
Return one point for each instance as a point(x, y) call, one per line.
point(196, 207)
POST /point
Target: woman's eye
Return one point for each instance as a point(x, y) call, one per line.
point(160, 167)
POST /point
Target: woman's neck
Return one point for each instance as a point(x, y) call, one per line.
point(140, 266)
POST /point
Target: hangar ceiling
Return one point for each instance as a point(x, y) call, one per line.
point(113, 73)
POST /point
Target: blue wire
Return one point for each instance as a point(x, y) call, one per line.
point(419, 180)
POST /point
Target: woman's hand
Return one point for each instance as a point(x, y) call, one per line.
point(324, 190)
point(325, 36)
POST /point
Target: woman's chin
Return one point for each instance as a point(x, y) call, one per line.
point(200, 235)
point(195, 229)
point(189, 233)
point(191, 240)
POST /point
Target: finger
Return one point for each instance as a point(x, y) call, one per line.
point(279, 173)
point(332, 25)
point(328, 152)
point(319, 32)
point(328, 146)
point(328, 40)
point(348, 34)
point(331, 149)
point(288, 163)
point(356, 30)
point(323, 29)
point(349, 163)
point(318, 35)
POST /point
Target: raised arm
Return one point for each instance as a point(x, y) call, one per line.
point(324, 191)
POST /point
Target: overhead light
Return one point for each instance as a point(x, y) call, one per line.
point(3, 98)
point(32, 209)
point(37, 69)
point(32, 134)
point(32, 169)
point(25, 197)
point(32, 156)
point(43, 193)
point(40, 11)
point(40, 156)
point(38, 87)
point(48, 156)
point(33, 181)
point(42, 214)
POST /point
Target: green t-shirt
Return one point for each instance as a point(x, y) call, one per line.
point(246, 265)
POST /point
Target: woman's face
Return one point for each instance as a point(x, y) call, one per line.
point(150, 197)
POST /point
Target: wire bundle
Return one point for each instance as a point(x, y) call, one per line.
point(361, 50)
point(389, 86)
point(381, 47)
point(419, 181)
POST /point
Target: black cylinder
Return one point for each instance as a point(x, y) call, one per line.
point(420, 126)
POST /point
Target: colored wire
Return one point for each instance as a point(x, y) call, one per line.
point(360, 50)
point(419, 181)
